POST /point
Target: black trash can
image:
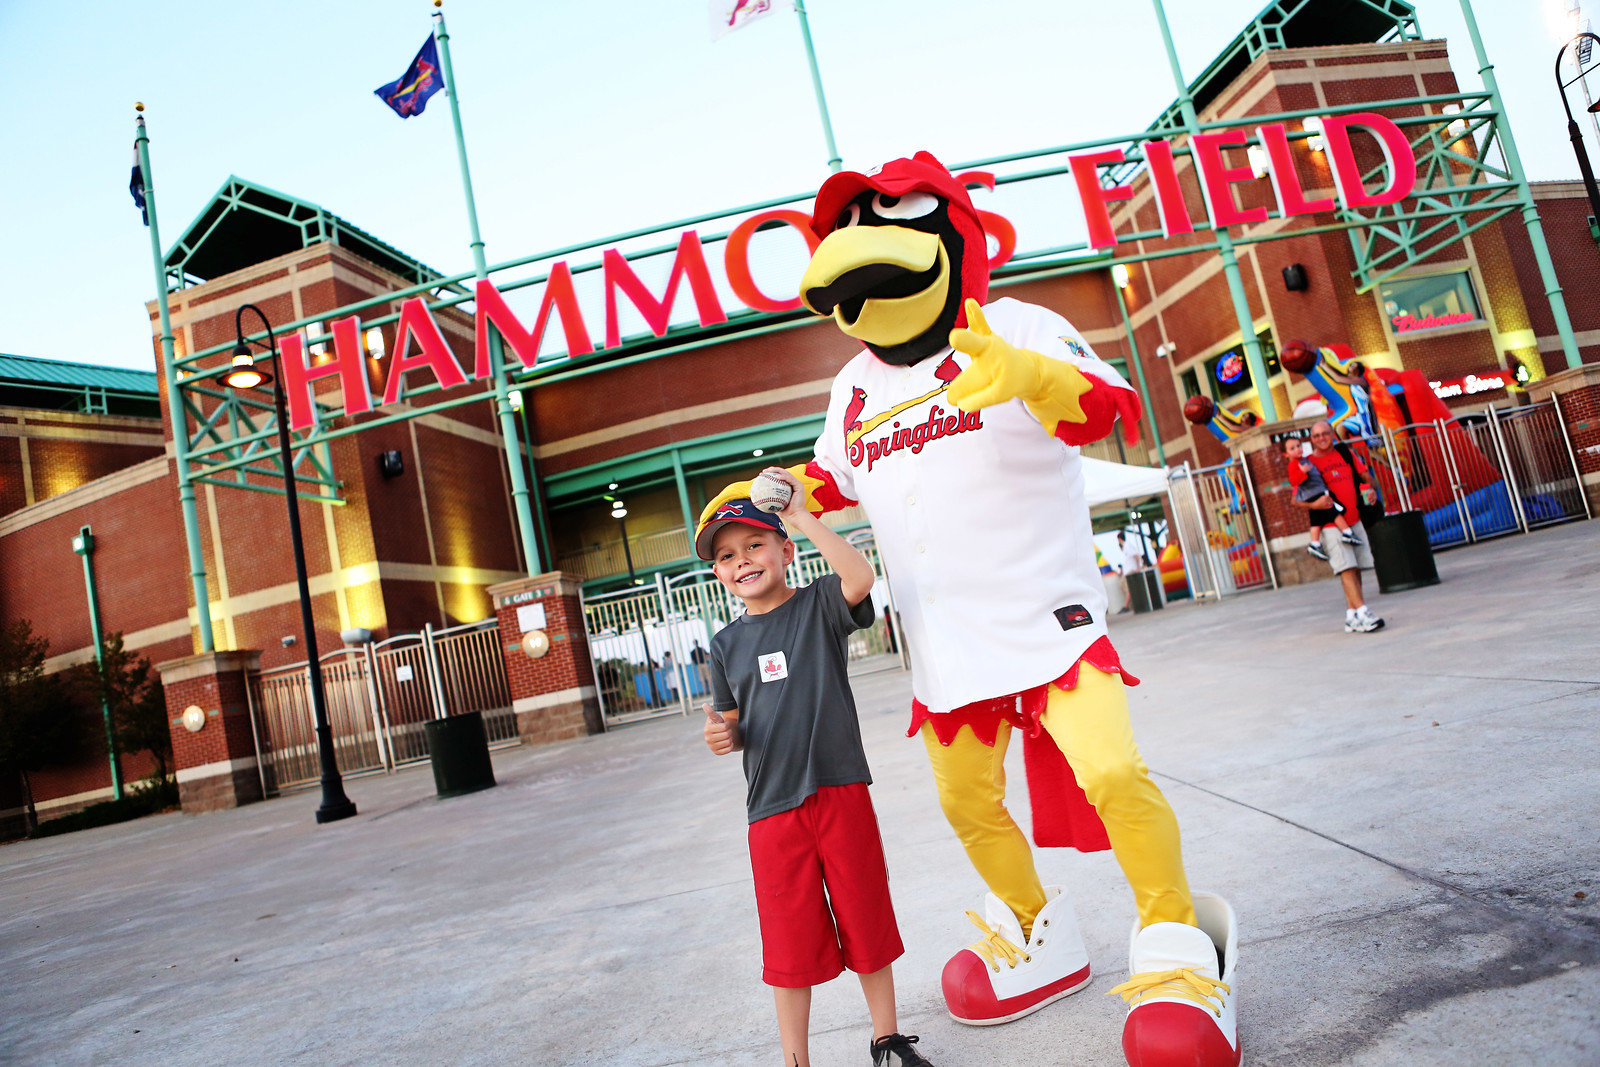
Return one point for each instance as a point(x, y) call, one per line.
point(1401, 556)
point(1144, 590)
point(459, 749)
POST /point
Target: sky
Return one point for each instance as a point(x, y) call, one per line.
point(582, 119)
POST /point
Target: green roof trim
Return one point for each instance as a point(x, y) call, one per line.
point(245, 224)
point(1296, 24)
point(29, 370)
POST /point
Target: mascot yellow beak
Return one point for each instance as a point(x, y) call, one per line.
point(882, 284)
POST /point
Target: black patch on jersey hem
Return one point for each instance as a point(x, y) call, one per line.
point(1073, 616)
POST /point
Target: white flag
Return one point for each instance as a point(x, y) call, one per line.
point(730, 15)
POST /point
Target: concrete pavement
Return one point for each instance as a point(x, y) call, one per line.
point(1402, 821)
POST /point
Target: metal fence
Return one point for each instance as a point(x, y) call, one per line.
point(1502, 471)
point(651, 644)
point(379, 696)
point(1219, 529)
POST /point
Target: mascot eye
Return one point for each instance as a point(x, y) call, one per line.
point(848, 217)
point(910, 206)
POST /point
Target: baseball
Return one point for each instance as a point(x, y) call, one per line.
point(769, 494)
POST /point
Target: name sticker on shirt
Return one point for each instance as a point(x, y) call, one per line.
point(774, 666)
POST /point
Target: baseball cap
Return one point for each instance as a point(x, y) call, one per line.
point(741, 511)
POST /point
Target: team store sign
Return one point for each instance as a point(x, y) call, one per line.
point(420, 345)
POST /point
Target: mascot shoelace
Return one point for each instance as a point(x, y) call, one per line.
point(956, 429)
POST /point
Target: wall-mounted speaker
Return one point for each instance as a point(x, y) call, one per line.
point(1294, 278)
point(391, 464)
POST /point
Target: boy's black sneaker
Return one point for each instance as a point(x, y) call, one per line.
point(1318, 551)
point(1349, 537)
point(896, 1051)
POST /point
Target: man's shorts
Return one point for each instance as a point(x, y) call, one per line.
point(1343, 557)
point(822, 890)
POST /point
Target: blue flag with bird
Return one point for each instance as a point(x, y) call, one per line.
point(409, 93)
point(136, 187)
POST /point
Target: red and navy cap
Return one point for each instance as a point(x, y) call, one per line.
point(741, 511)
point(921, 173)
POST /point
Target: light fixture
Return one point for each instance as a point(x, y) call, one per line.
point(1119, 275)
point(375, 349)
point(245, 374)
point(1313, 125)
point(1165, 350)
point(612, 486)
point(1258, 160)
point(758, 452)
point(1458, 128)
point(617, 510)
point(515, 396)
point(315, 330)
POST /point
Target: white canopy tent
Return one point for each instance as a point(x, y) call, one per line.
point(1104, 481)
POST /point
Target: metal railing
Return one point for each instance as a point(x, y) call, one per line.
point(379, 696)
point(1219, 530)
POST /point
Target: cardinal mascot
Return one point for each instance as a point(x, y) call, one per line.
point(957, 429)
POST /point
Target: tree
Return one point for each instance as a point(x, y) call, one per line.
point(138, 704)
point(37, 720)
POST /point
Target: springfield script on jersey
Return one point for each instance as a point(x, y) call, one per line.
point(938, 424)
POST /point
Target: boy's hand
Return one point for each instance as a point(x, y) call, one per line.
point(1324, 501)
point(718, 731)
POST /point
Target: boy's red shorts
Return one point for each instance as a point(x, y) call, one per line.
point(826, 851)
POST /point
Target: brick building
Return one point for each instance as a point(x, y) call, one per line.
point(666, 420)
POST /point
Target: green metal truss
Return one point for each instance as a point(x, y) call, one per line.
point(1463, 184)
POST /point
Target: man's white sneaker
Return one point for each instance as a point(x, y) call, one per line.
point(1006, 976)
point(1361, 621)
point(1183, 992)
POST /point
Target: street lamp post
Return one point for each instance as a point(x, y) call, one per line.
point(1572, 126)
point(245, 375)
point(83, 545)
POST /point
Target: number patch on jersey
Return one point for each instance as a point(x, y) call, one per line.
point(774, 666)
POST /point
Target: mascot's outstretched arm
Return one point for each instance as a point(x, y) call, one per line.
point(1067, 402)
point(821, 494)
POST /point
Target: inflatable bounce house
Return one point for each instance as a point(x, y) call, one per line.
point(1361, 400)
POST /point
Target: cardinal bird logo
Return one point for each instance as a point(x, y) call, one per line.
point(852, 413)
point(947, 371)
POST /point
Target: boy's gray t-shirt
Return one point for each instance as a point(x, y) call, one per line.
point(785, 671)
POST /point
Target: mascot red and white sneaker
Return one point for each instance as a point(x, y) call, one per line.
point(1183, 993)
point(1006, 976)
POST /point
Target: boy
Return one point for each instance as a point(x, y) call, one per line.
point(1308, 490)
point(781, 694)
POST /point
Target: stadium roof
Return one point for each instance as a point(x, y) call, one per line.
point(245, 224)
point(60, 373)
point(1297, 24)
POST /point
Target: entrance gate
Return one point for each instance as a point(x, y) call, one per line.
point(1219, 530)
point(379, 696)
point(651, 644)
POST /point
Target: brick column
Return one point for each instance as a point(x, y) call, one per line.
point(553, 696)
point(1286, 525)
point(217, 765)
point(1577, 391)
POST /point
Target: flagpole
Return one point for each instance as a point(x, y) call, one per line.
point(834, 162)
point(508, 421)
point(180, 421)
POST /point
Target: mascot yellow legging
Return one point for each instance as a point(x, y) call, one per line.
point(1091, 727)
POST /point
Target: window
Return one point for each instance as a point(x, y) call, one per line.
point(1229, 373)
point(1192, 386)
point(1414, 304)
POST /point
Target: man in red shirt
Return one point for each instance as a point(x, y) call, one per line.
point(1346, 481)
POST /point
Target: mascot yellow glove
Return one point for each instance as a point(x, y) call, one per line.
point(1000, 371)
point(738, 490)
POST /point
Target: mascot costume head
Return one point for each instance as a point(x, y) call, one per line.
point(902, 250)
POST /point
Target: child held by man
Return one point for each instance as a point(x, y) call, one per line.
point(1311, 489)
point(781, 694)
